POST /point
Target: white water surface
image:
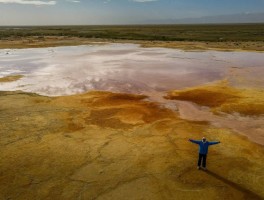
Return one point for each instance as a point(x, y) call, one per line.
point(124, 68)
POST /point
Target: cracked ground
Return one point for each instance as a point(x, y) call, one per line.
point(102, 145)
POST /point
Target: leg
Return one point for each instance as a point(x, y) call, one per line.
point(200, 160)
point(204, 161)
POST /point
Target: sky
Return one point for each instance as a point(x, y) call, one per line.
point(92, 12)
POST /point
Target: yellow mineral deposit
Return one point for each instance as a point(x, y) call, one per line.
point(222, 97)
point(10, 78)
point(102, 145)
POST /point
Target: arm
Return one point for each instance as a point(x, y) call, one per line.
point(195, 141)
point(213, 143)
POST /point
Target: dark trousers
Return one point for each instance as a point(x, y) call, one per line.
point(202, 157)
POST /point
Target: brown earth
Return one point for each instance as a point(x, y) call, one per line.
point(222, 97)
point(10, 78)
point(101, 145)
point(48, 41)
point(53, 41)
point(202, 46)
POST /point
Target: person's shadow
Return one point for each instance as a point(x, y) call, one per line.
point(247, 193)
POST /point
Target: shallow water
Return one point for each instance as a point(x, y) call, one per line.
point(131, 69)
point(124, 68)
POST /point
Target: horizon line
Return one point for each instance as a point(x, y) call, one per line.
point(135, 24)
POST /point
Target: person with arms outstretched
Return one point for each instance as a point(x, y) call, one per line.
point(203, 151)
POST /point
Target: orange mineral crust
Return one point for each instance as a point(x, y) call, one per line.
point(102, 145)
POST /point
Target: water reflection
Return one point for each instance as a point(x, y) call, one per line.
point(124, 68)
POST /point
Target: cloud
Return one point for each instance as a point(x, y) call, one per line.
point(107, 1)
point(74, 1)
point(29, 2)
point(143, 1)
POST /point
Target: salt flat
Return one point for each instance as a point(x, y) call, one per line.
point(108, 145)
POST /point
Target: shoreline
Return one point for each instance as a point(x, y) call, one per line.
point(35, 42)
point(185, 110)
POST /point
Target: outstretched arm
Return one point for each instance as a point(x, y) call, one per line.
point(195, 141)
point(213, 143)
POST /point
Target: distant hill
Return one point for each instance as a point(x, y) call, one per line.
point(235, 18)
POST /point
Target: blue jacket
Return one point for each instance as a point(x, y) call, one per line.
point(203, 146)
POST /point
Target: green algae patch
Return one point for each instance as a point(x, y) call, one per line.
point(10, 78)
point(223, 98)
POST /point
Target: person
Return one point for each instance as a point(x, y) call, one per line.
point(203, 150)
